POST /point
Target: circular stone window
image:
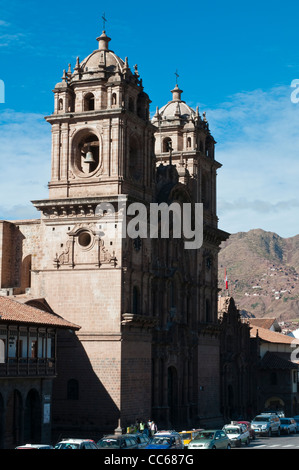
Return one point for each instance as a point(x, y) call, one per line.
point(84, 239)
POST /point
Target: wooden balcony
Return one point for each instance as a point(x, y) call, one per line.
point(28, 367)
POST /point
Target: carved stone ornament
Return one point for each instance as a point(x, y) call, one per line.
point(64, 257)
point(105, 256)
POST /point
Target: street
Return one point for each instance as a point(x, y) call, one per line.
point(274, 442)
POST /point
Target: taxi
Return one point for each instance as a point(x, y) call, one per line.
point(188, 436)
point(237, 433)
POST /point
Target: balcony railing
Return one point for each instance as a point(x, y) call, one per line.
point(28, 367)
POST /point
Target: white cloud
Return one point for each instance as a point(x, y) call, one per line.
point(25, 159)
point(258, 145)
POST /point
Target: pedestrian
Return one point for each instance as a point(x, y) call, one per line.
point(137, 425)
point(141, 426)
point(153, 428)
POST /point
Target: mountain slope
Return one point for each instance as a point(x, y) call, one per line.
point(262, 270)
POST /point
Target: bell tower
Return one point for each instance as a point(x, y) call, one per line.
point(184, 139)
point(102, 151)
point(102, 138)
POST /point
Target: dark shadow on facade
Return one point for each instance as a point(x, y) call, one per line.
point(82, 407)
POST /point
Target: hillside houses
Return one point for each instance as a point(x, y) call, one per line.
point(262, 270)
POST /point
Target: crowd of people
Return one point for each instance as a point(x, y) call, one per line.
point(149, 428)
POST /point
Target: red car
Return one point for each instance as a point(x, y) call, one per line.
point(249, 428)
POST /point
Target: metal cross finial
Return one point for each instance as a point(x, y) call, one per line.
point(104, 20)
point(177, 76)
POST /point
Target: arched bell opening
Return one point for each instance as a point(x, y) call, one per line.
point(89, 102)
point(87, 153)
point(167, 144)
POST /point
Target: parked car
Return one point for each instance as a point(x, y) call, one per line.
point(188, 436)
point(166, 440)
point(288, 425)
point(249, 428)
point(211, 439)
point(35, 446)
point(266, 424)
point(123, 441)
point(237, 433)
point(279, 413)
point(142, 440)
point(296, 418)
point(76, 444)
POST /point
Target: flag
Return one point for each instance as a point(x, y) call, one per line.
point(225, 279)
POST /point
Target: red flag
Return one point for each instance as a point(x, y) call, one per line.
point(226, 282)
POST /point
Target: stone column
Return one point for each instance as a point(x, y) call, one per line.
point(55, 152)
point(64, 150)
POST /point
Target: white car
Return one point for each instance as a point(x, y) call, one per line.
point(76, 444)
point(35, 446)
point(237, 434)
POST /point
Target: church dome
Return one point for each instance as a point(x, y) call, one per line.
point(112, 61)
point(103, 64)
point(102, 57)
point(176, 108)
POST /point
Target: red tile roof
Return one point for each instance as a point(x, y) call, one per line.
point(272, 336)
point(263, 322)
point(12, 311)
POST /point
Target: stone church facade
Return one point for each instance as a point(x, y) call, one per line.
point(148, 346)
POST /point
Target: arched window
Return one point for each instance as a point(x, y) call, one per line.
point(142, 109)
point(26, 273)
point(17, 408)
point(114, 99)
point(71, 104)
point(89, 102)
point(167, 144)
point(189, 142)
point(209, 148)
point(87, 153)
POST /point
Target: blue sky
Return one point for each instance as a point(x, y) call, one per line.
point(236, 61)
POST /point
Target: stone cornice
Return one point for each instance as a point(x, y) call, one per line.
point(139, 321)
point(214, 234)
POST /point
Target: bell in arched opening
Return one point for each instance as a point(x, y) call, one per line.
point(89, 156)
